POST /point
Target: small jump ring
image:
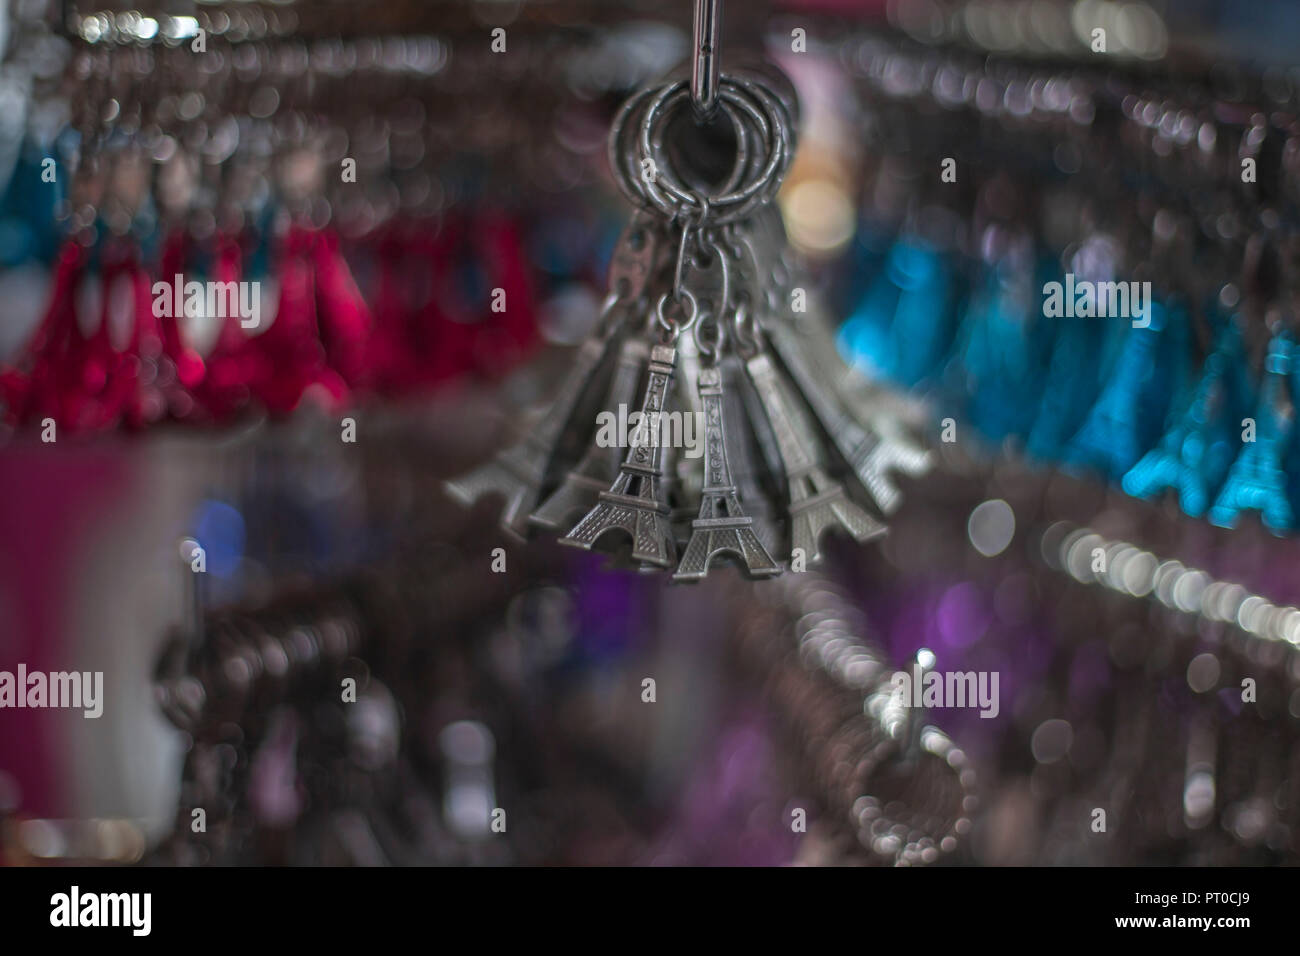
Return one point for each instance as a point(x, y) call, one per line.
point(709, 345)
point(673, 328)
point(746, 335)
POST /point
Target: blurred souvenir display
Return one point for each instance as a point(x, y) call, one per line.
point(802, 432)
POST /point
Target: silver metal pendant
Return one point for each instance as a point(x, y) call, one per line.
point(634, 503)
point(723, 526)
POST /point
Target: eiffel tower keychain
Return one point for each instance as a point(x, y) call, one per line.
point(698, 322)
point(634, 502)
point(722, 526)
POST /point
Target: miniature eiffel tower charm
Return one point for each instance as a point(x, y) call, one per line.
point(871, 457)
point(518, 472)
point(816, 502)
point(581, 487)
point(722, 525)
point(634, 503)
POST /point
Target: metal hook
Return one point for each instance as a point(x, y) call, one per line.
point(704, 67)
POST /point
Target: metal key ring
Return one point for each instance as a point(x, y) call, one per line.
point(727, 198)
point(620, 154)
point(763, 122)
point(625, 160)
point(626, 163)
point(663, 107)
point(741, 167)
point(773, 106)
point(781, 122)
point(740, 201)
